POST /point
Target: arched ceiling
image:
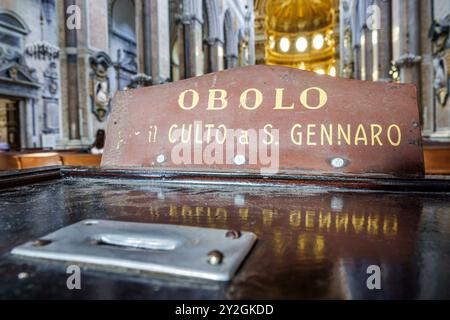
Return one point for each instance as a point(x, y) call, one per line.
point(294, 16)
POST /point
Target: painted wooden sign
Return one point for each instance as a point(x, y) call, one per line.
point(268, 120)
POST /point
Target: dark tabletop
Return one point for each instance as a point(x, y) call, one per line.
point(313, 242)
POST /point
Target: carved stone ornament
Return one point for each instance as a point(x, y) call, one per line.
point(439, 34)
point(100, 91)
point(51, 80)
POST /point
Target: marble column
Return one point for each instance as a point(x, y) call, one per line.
point(160, 46)
point(147, 37)
point(385, 41)
point(427, 72)
point(216, 52)
point(409, 60)
point(140, 43)
point(71, 43)
point(193, 44)
point(232, 60)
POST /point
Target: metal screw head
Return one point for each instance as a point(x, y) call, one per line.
point(161, 158)
point(239, 159)
point(233, 234)
point(41, 242)
point(215, 257)
point(337, 162)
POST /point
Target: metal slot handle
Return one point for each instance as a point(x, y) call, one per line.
point(138, 242)
point(205, 253)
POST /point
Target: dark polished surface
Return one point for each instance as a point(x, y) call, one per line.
point(314, 242)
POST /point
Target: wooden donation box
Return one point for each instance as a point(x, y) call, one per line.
point(260, 182)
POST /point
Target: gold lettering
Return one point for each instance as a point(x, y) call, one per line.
point(195, 99)
point(297, 141)
point(258, 99)
point(208, 132)
point(329, 135)
point(198, 134)
point(269, 133)
point(185, 138)
point(213, 98)
point(243, 137)
point(224, 134)
point(279, 100)
point(360, 130)
point(322, 98)
point(377, 134)
point(309, 133)
point(171, 139)
point(399, 135)
point(341, 134)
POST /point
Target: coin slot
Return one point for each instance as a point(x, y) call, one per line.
point(136, 242)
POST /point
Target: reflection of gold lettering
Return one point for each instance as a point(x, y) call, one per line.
point(325, 220)
point(358, 222)
point(341, 221)
point(301, 244)
point(295, 218)
point(319, 245)
point(173, 211)
point(372, 224)
point(186, 211)
point(154, 211)
point(221, 214)
point(279, 100)
point(278, 241)
point(322, 98)
point(399, 135)
point(306, 218)
point(309, 219)
point(243, 213)
point(390, 225)
point(213, 98)
point(195, 99)
point(198, 211)
point(267, 216)
point(258, 99)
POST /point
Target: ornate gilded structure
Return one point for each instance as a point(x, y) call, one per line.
point(299, 33)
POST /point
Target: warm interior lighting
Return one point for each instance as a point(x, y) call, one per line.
point(318, 41)
point(284, 44)
point(319, 71)
point(301, 44)
point(301, 66)
point(271, 42)
point(332, 72)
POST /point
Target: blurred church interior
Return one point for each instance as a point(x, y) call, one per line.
point(61, 62)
